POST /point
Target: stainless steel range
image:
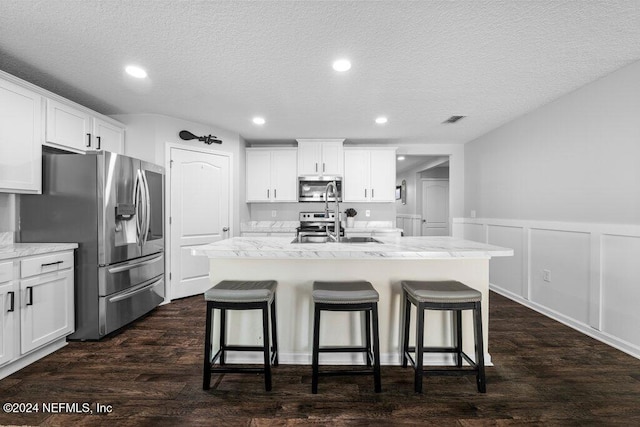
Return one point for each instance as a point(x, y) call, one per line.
point(314, 224)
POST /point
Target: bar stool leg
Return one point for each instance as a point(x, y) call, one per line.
point(206, 372)
point(266, 345)
point(419, 348)
point(405, 338)
point(376, 349)
point(367, 332)
point(477, 326)
point(316, 350)
point(223, 335)
point(457, 315)
point(274, 331)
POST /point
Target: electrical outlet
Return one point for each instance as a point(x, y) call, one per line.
point(473, 214)
point(367, 213)
point(546, 275)
point(274, 214)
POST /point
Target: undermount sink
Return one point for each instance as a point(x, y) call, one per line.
point(325, 239)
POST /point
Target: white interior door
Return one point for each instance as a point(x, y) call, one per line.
point(199, 214)
point(435, 207)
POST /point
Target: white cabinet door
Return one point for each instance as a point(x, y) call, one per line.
point(69, 127)
point(356, 176)
point(107, 136)
point(9, 305)
point(284, 176)
point(383, 176)
point(309, 158)
point(320, 157)
point(258, 175)
point(332, 158)
point(20, 139)
point(47, 310)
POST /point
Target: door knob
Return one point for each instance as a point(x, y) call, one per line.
point(225, 229)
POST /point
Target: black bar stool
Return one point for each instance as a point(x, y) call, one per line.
point(444, 295)
point(240, 295)
point(347, 296)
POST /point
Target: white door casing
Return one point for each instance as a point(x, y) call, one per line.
point(435, 207)
point(200, 213)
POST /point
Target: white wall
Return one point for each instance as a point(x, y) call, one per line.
point(561, 185)
point(575, 159)
point(148, 134)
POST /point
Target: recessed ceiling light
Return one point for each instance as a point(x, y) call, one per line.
point(342, 65)
point(136, 71)
point(401, 158)
point(259, 120)
point(381, 120)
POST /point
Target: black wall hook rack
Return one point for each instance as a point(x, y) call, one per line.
point(209, 139)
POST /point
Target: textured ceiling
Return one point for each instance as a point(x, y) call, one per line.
point(221, 63)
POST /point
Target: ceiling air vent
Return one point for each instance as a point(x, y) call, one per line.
point(453, 119)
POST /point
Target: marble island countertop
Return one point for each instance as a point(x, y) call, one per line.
point(390, 248)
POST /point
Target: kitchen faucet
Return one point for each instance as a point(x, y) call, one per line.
point(335, 236)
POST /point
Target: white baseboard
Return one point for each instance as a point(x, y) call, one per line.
point(617, 343)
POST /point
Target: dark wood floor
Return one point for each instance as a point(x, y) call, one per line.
point(544, 373)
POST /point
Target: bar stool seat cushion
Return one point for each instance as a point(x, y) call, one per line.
point(355, 292)
point(242, 291)
point(448, 291)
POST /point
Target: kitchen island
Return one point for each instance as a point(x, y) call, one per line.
point(297, 265)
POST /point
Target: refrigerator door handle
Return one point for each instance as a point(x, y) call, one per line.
point(147, 213)
point(136, 290)
point(140, 207)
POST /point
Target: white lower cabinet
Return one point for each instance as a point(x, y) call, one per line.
point(47, 309)
point(38, 308)
point(8, 296)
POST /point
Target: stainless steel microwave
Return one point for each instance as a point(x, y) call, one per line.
point(312, 188)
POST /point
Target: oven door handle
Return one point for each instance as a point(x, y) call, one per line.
point(137, 289)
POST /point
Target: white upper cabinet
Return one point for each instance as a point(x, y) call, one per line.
point(108, 137)
point(68, 127)
point(271, 175)
point(77, 130)
point(320, 157)
point(20, 139)
point(369, 175)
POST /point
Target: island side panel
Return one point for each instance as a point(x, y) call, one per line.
point(295, 309)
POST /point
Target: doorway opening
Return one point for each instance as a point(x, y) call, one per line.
point(424, 208)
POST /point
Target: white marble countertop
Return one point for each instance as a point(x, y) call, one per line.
point(16, 250)
point(390, 248)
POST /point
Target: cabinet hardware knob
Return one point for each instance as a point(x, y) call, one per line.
point(225, 229)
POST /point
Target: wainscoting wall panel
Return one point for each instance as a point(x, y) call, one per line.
point(559, 271)
point(582, 274)
point(508, 270)
point(621, 287)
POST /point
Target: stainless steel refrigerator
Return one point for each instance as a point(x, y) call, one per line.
point(112, 206)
